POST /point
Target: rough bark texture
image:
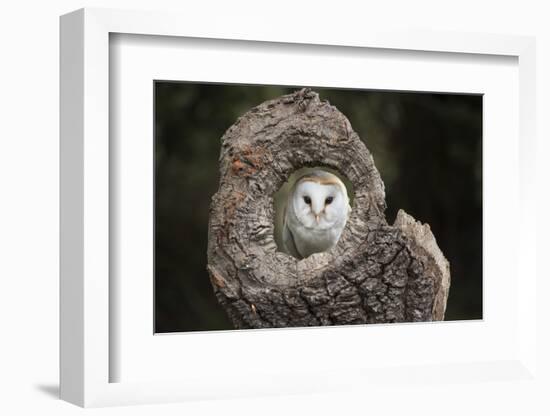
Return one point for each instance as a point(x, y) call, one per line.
point(377, 273)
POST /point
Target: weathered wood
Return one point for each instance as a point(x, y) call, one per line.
point(376, 273)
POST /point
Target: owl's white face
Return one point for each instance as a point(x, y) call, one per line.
point(320, 206)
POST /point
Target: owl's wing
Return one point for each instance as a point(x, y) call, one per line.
point(288, 240)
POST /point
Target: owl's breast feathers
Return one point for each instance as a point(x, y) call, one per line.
point(301, 241)
point(309, 241)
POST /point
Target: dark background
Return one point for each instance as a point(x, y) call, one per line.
point(427, 147)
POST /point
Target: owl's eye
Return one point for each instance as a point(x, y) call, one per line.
point(307, 200)
point(329, 200)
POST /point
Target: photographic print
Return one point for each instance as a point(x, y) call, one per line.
point(290, 206)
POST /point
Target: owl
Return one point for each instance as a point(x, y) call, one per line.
point(315, 214)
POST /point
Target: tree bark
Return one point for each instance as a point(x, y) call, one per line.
point(377, 273)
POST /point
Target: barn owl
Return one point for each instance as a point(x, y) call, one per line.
point(315, 214)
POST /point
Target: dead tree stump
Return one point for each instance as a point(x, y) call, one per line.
point(377, 273)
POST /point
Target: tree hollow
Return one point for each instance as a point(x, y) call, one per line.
point(377, 273)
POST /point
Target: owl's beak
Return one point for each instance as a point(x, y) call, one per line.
point(317, 218)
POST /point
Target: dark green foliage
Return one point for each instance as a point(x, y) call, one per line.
point(427, 147)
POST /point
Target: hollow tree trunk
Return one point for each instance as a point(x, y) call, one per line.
point(376, 273)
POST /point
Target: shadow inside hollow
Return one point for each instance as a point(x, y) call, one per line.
point(51, 390)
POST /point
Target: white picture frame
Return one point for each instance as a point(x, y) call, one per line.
point(87, 356)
